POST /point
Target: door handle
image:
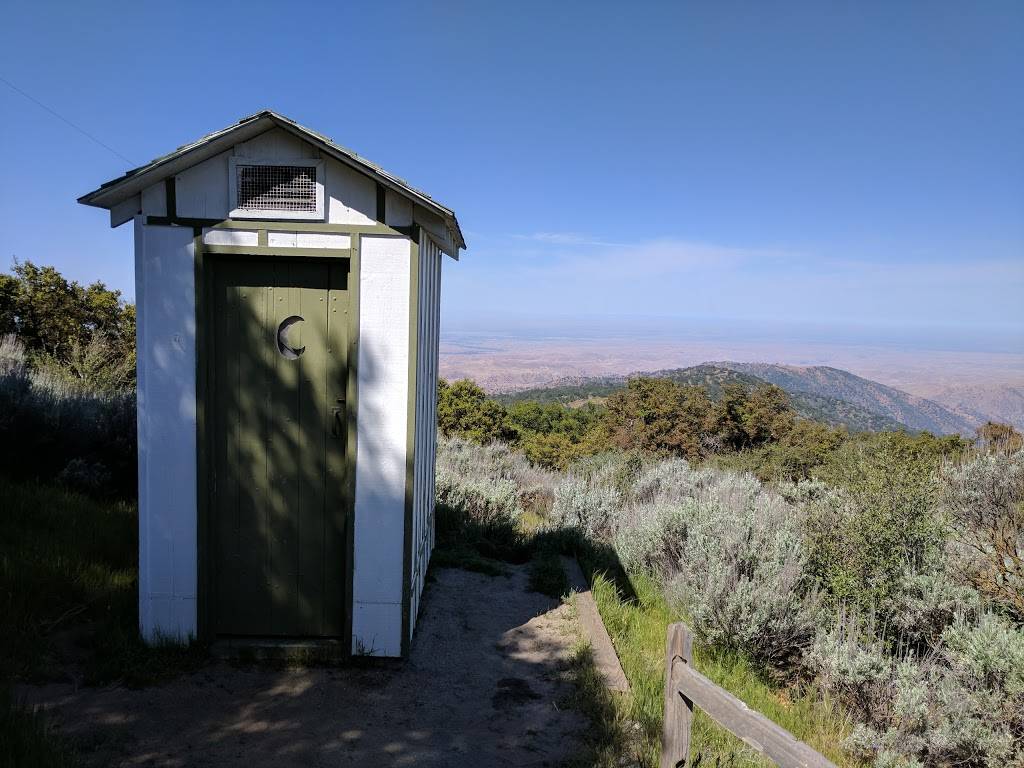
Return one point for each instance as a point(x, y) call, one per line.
point(336, 426)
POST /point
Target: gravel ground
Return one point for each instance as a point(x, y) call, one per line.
point(483, 686)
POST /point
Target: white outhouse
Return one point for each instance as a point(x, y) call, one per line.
point(287, 293)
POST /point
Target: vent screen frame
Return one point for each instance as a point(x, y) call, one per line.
point(275, 180)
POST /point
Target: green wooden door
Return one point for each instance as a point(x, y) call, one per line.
point(277, 369)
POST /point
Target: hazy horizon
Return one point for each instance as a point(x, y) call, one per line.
point(1004, 337)
point(504, 352)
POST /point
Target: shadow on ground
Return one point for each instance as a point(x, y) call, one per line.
point(483, 686)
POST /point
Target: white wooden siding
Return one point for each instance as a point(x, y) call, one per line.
point(231, 237)
point(351, 196)
point(165, 300)
point(154, 200)
point(276, 144)
point(382, 429)
point(202, 191)
point(397, 209)
point(426, 420)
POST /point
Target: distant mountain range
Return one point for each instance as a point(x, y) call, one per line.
point(914, 412)
point(1002, 402)
point(825, 394)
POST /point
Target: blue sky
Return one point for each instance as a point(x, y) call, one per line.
point(847, 163)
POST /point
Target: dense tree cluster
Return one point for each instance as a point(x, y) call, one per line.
point(654, 416)
point(754, 429)
point(550, 434)
point(83, 332)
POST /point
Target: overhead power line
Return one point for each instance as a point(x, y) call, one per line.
point(61, 117)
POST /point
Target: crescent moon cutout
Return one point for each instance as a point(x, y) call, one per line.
point(283, 346)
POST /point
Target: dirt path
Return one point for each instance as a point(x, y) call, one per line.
point(482, 687)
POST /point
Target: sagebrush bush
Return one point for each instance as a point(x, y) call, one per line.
point(95, 365)
point(924, 604)
point(490, 484)
point(728, 547)
point(651, 536)
point(612, 469)
point(588, 506)
point(741, 575)
point(984, 499)
point(914, 650)
point(668, 481)
point(959, 704)
point(652, 524)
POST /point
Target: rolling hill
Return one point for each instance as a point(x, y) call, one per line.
point(999, 402)
point(917, 413)
point(712, 377)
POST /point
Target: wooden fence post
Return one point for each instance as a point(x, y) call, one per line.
point(675, 732)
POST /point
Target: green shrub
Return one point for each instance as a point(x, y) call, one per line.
point(52, 428)
point(879, 520)
point(464, 410)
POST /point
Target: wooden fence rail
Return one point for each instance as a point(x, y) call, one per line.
point(686, 688)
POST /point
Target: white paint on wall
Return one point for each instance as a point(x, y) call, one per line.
point(397, 209)
point(381, 445)
point(165, 302)
point(322, 240)
point(282, 239)
point(231, 237)
point(380, 629)
point(352, 196)
point(126, 210)
point(201, 191)
point(154, 200)
point(276, 144)
point(308, 240)
point(426, 420)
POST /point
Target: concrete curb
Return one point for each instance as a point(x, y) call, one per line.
point(605, 659)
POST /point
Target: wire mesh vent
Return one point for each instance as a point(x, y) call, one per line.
point(277, 188)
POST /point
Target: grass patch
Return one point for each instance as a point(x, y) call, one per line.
point(609, 739)
point(69, 590)
point(638, 629)
point(26, 738)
